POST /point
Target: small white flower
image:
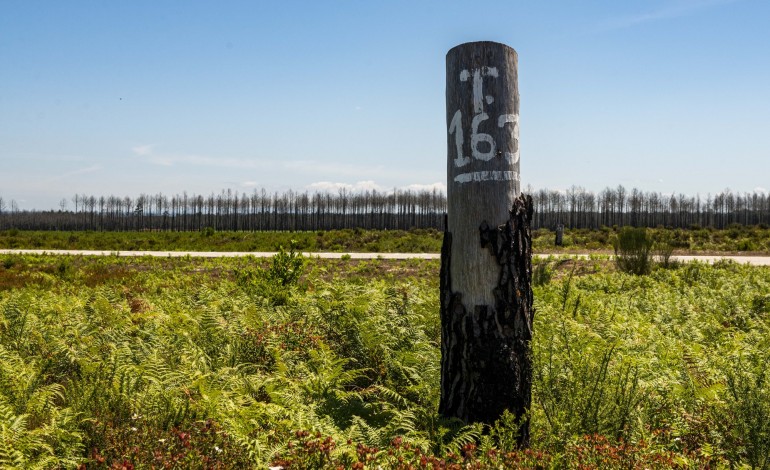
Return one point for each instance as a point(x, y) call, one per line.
point(133, 429)
point(217, 449)
point(161, 440)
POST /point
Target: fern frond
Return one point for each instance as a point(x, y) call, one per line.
point(470, 434)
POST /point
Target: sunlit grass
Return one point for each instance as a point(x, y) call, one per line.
point(211, 362)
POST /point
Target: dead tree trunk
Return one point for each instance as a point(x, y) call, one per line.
point(559, 235)
point(486, 295)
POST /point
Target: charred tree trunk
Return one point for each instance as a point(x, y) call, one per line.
point(559, 235)
point(486, 295)
point(486, 366)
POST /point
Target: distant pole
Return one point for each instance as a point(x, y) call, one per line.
point(486, 295)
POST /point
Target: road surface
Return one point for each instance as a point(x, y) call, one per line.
point(753, 260)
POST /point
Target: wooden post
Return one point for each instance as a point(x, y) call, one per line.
point(486, 295)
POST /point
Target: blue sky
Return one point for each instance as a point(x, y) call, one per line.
point(129, 97)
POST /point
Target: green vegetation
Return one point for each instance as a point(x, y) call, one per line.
point(355, 240)
point(735, 239)
point(633, 250)
point(244, 362)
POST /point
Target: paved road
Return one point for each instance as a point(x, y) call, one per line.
point(754, 260)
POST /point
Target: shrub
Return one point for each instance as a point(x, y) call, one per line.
point(748, 408)
point(663, 250)
point(632, 251)
point(9, 262)
point(541, 273)
point(286, 268)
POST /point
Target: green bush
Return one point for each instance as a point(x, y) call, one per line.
point(286, 267)
point(632, 251)
point(278, 282)
point(748, 407)
point(542, 272)
point(9, 261)
point(664, 249)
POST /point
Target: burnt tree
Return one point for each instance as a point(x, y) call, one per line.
point(486, 295)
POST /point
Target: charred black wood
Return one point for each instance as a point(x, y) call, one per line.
point(486, 365)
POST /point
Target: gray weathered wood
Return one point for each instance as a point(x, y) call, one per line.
point(486, 295)
point(494, 182)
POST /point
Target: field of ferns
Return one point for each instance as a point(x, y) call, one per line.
point(304, 363)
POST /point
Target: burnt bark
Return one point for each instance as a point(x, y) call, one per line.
point(486, 365)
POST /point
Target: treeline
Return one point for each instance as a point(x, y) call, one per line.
point(579, 208)
point(231, 210)
point(372, 209)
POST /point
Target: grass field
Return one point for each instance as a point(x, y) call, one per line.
point(736, 240)
point(417, 241)
point(241, 363)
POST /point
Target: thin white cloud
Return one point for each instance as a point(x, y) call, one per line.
point(427, 187)
point(368, 185)
point(80, 171)
point(163, 159)
point(199, 160)
point(329, 169)
point(335, 169)
point(670, 10)
point(329, 186)
point(51, 156)
point(143, 150)
point(301, 166)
